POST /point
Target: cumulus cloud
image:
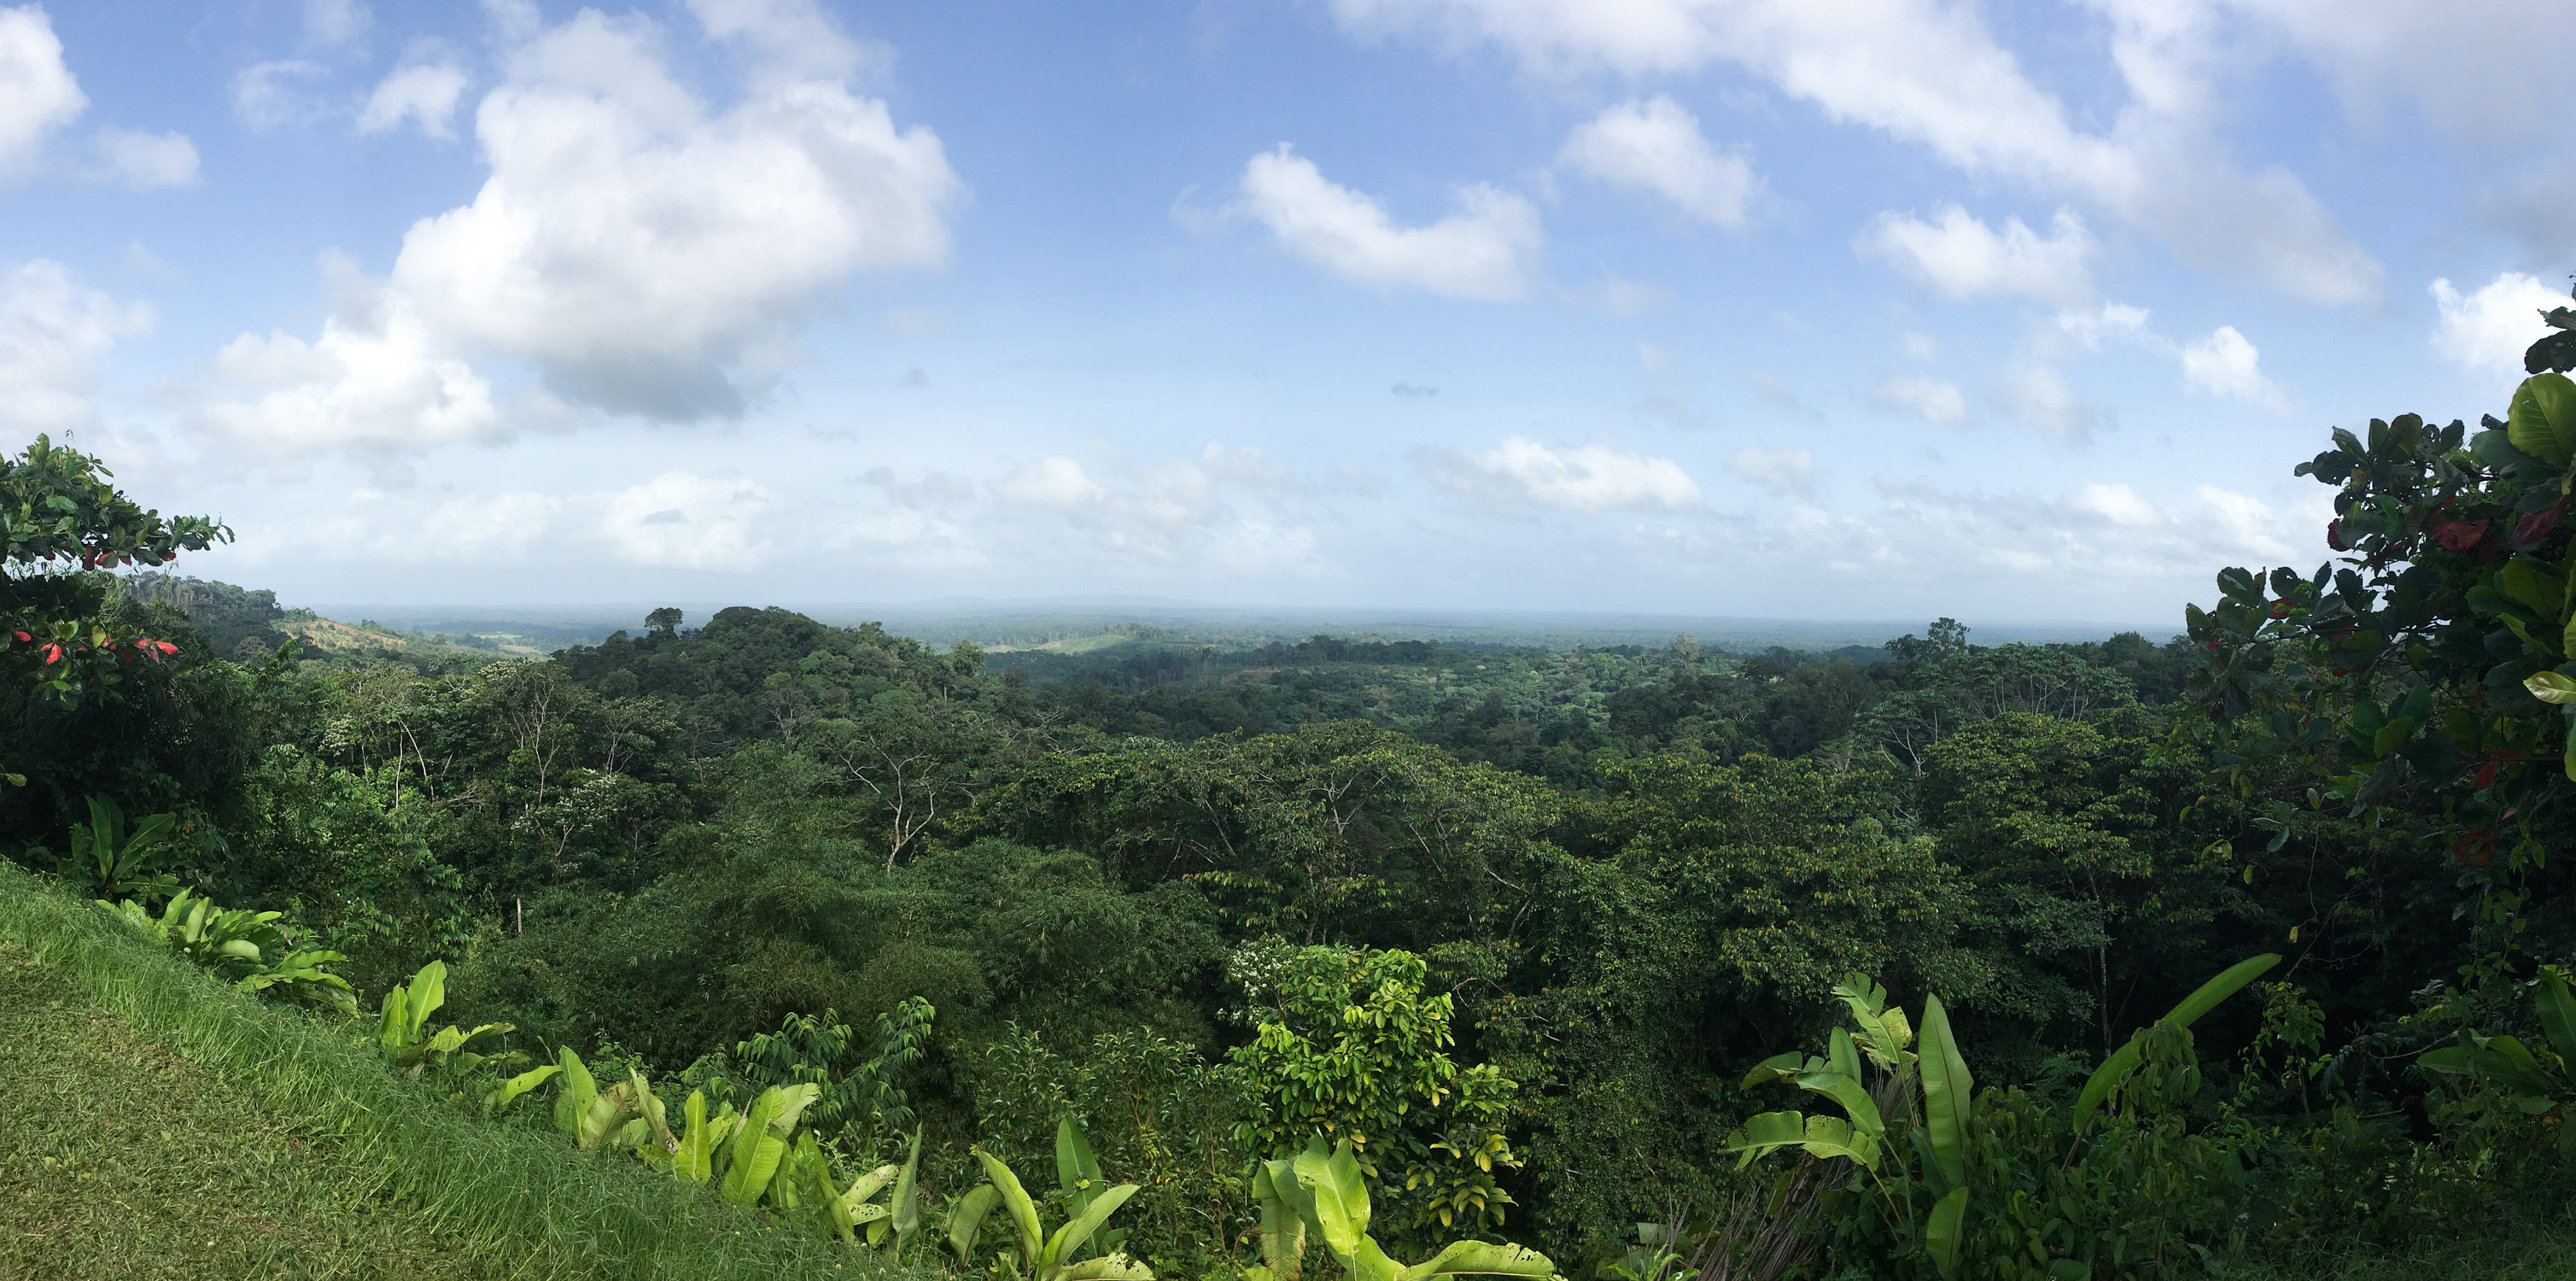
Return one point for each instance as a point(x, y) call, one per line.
point(2039, 399)
point(376, 379)
point(2465, 65)
point(792, 40)
point(2100, 533)
point(1931, 74)
point(677, 520)
point(1933, 398)
point(1592, 478)
point(336, 22)
point(1783, 471)
point(2221, 363)
point(2225, 365)
point(1052, 482)
point(140, 159)
point(54, 331)
point(425, 94)
point(1656, 146)
point(38, 94)
point(1960, 257)
point(2486, 330)
point(1486, 251)
point(643, 253)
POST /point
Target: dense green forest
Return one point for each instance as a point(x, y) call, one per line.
point(1515, 925)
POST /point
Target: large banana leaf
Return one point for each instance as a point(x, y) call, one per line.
point(2558, 1016)
point(1077, 1174)
point(904, 1215)
point(1778, 1067)
point(1948, 1093)
point(1847, 1091)
point(1339, 1195)
point(1286, 1206)
point(650, 1105)
point(966, 1218)
point(1066, 1245)
point(511, 1089)
point(2123, 1061)
point(574, 1097)
point(1941, 1233)
point(1015, 1200)
point(755, 1151)
point(607, 1115)
point(1481, 1259)
point(700, 1139)
point(1818, 1135)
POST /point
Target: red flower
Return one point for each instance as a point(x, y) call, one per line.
point(22, 637)
point(53, 655)
point(2334, 535)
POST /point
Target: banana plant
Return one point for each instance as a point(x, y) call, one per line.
point(1331, 1195)
point(234, 945)
point(597, 1118)
point(2536, 1081)
point(1042, 1256)
point(1948, 1097)
point(761, 1141)
point(852, 1209)
point(402, 1029)
point(116, 863)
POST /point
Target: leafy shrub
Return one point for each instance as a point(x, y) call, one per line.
point(244, 948)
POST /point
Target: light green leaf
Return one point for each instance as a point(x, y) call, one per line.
point(1108, 1267)
point(1340, 1197)
point(2542, 421)
point(966, 1218)
point(573, 1100)
point(1948, 1098)
point(1015, 1200)
point(1067, 1243)
point(1847, 1091)
point(1941, 1230)
point(1819, 1136)
point(1480, 1259)
point(2550, 687)
point(2123, 1061)
point(511, 1089)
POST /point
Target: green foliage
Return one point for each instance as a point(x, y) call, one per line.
point(1347, 1047)
point(858, 1092)
point(108, 861)
point(403, 1032)
point(244, 948)
point(1330, 1195)
point(59, 518)
point(2001, 1184)
point(1043, 1256)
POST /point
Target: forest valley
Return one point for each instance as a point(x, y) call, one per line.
point(2114, 959)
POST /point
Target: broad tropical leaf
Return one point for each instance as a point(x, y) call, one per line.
point(1066, 1244)
point(511, 1089)
point(1015, 1200)
point(966, 1218)
point(1948, 1093)
point(2123, 1061)
point(1480, 1259)
point(1819, 1135)
point(1941, 1236)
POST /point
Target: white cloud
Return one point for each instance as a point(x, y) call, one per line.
point(1485, 251)
point(336, 22)
point(683, 521)
point(141, 159)
point(38, 94)
point(1592, 478)
point(2221, 363)
point(1960, 257)
point(2467, 65)
point(2225, 365)
point(376, 379)
point(1052, 482)
point(1656, 146)
point(1930, 73)
point(426, 94)
point(642, 254)
point(2117, 504)
point(2486, 331)
point(1785, 471)
point(793, 39)
point(1933, 398)
point(2040, 399)
point(1226, 509)
point(269, 94)
point(54, 331)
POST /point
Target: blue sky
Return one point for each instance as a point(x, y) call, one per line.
point(1890, 308)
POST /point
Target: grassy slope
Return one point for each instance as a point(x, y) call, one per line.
point(282, 1130)
point(119, 1158)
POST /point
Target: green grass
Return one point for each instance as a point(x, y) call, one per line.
point(177, 1112)
point(118, 1158)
